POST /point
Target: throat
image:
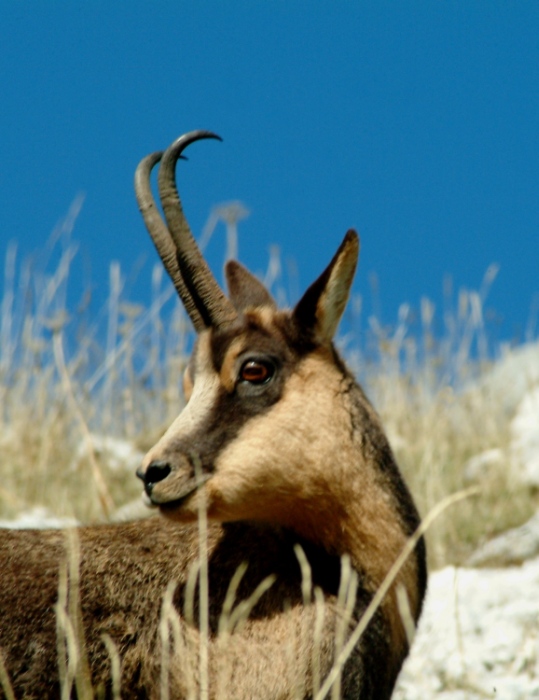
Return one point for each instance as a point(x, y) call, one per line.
point(370, 535)
point(370, 532)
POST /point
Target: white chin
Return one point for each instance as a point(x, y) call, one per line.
point(146, 500)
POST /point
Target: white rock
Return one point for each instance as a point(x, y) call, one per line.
point(512, 547)
point(480, 466)
point(477, 638)
point(116, 453)
point(512, 376)
point(38, 518)
point(525, 438)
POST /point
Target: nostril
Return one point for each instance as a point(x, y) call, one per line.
point(156, 471)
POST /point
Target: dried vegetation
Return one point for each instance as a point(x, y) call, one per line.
point(69, 379)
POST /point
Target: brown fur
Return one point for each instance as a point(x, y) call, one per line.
point(300, 458)
point(124, 573)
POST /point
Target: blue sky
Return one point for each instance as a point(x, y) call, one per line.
point(415, 122)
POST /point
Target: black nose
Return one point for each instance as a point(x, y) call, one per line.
point(156, 472)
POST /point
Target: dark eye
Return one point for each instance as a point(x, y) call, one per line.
point(256, 372)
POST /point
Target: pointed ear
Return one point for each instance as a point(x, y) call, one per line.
point(321, 307)
point(244, 289)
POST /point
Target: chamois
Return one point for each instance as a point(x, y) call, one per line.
point(275, 485)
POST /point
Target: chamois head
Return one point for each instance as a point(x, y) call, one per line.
point(262, 424)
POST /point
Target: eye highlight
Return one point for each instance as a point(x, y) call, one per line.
point(256, 372)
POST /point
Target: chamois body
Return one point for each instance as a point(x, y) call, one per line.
point(277, 446)
point(124, 573)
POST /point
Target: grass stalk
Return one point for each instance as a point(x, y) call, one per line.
point(386, 585)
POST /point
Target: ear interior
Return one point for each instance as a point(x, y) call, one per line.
point(321, 307)
point(244, 289)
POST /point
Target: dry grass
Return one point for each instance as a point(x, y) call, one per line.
point(439, 412)
point(66, 377)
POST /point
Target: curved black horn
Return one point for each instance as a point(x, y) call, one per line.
point(212, 305)
point(161, 236)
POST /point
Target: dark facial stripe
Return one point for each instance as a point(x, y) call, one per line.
point(233, 409)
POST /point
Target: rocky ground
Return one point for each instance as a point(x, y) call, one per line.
point(479, 634)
